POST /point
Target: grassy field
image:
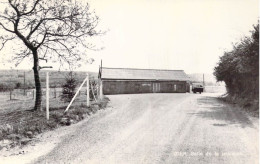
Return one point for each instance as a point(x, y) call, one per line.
point(56, 78)
point(19, 101)
point(18, 122)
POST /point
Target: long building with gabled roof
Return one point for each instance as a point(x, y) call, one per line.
point(132, 80)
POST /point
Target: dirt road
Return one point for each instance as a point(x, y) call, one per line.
point(161, 128)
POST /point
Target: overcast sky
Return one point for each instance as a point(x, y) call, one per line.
point(168, 34)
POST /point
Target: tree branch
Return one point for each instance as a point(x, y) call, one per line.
point(34, 6)
point(5, 41)
point(33, 30)
point(6, 28)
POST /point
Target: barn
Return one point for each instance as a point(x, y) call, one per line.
point(131, 81)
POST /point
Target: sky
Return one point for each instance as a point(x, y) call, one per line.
point(187, 35)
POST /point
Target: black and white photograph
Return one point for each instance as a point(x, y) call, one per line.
point(129, 81)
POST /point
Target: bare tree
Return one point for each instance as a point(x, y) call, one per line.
point(56, 30)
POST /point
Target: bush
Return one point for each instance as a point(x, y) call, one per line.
point(239, 68)
point(68, 89)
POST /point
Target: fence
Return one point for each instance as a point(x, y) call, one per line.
point(21, 96)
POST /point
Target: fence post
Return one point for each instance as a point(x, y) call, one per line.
point(92, 90)
point(33, 94)
point(101, 90)
point(47, 95)
point(87, 90)
point(55, 95)
point(24, 83)
point(10, 94)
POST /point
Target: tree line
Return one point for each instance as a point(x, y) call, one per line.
point(239, 68)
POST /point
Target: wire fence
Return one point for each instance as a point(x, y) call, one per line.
point(17, 100)
point(17, 90)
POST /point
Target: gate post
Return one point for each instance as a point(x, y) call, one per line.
point(47, 95)
point(101, 90)
point(87, 90)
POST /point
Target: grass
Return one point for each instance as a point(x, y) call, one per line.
point(19, 126)
point(251, 106)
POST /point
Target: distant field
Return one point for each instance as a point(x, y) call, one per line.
point(215, 89)
point(56, 78)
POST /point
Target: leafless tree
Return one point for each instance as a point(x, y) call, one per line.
point(56, 30)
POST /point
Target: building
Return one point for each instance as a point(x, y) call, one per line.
point(131, 81)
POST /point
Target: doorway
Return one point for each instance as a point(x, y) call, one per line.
point(156, 87)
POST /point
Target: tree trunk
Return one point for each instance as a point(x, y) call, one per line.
point(38, 100)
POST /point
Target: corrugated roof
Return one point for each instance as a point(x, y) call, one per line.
point(143, 74)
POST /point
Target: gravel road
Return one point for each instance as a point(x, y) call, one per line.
point(161, 128)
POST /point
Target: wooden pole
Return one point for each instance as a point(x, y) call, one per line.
point(24, 83)
point(55, 90)
point(87, 90)
point(92, 89)
point(101, 90)
point(203, 83)
point(75, 95)
point(34, 94)
point(100, 84)
point(47, 95)
point(10, 93)
point(203, 80)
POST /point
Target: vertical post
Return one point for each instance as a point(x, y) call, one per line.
point(55, 95)
point(203, 80)
point(10, 94)
point(34, 94)
point(97, 88)
point(92, 90)
point(101, 90)
point(47, 95)
point(24, 83)
point(203, 83)
point(87, 90)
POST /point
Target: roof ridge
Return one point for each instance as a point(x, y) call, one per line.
point(143, 69)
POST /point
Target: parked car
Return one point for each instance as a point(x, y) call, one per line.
point(197, 87)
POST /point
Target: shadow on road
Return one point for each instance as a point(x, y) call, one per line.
point(214, 109)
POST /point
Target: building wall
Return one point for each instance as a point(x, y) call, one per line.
point(128, 87)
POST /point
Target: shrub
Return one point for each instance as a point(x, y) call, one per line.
point(239, 68)
point(68, 89)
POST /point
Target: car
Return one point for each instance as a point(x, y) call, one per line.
point(197, 87)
